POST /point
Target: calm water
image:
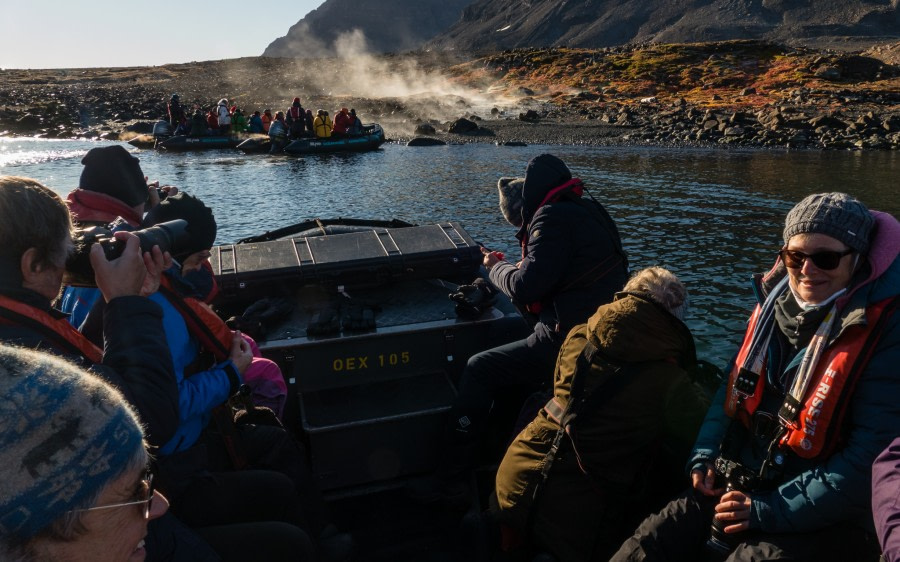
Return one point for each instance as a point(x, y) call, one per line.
point(713, 217)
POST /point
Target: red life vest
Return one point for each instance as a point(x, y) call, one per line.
point(204, 324)
point(296, 112)
point(815, 432)
point(62, 334)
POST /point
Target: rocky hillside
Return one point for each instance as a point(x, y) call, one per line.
point(492, 25)
point(388, 25)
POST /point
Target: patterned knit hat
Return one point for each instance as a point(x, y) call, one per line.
point(834, 214)
point(64, 436)
point(511, 199)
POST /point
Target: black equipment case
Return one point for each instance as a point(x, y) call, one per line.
point(370, 402)
point(372, 257)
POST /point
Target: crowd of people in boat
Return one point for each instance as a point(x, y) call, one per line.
point(779, 461)
point(226, 118)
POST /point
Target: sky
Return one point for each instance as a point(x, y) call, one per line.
point(102, 33)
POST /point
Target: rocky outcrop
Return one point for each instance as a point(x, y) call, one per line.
point(389, 26)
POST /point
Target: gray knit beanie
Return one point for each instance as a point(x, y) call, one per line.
point(511, 200)
point(834, 214)
point(64, 436)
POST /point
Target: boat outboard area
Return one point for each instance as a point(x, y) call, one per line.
point(358, 316)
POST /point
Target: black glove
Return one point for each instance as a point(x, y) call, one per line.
point(474, 300)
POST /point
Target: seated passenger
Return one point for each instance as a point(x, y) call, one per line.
point(278, 133)
point(342, 123)
point(193, 282)
point(223, 117)
point(35, 237)
point(199, 126)
point(260, 472)
point(212, 120)
point(112, 193)
point(310, 129)
point(634, 413)
point(322, 124)
point(782, 467)
point(356, 127)
point(267, 120)
point(74, 480)
point(255, 124)
point(238, 121)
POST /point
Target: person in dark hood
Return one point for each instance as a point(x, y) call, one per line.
point(572, 262)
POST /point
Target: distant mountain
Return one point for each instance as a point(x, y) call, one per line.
point(492, 25)
point(388, 25)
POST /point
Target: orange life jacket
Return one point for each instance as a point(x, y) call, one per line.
point(815, 430)
point(63, 335)
point(202, 322)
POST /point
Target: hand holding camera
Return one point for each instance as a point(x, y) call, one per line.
point(732, 516)
point(122, 276)
point(170, 236)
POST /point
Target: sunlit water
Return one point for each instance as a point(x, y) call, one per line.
point(714, 217)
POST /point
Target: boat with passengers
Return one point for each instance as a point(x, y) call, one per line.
point(371, 137)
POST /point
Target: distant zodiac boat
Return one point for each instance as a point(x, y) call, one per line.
point(371, 138)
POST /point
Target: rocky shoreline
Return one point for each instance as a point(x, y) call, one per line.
point(745, 94)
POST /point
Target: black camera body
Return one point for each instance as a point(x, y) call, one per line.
point(733, 476)
point(171, 236)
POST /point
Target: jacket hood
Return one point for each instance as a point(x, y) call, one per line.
point(542, 174)
point(634, 329)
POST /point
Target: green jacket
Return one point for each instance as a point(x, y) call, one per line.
point(650, 410)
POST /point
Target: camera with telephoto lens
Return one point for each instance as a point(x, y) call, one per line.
point(733, 476)
point(170, 236)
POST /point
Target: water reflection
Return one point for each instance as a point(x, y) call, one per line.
point(712, 216)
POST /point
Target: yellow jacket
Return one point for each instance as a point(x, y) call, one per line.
point(322, 126)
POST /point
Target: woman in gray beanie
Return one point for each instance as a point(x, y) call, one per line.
point(809, 403)
point(73, 468)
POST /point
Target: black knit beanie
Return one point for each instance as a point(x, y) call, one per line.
point(834, 214)
point(113, 171)
point(201, 223)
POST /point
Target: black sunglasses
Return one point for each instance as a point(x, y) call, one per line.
point(825, 260)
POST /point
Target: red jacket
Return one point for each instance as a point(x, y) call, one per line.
point(342, 122)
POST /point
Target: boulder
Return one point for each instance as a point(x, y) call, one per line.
point(828, 72)
point(462, 126)
point(530, 115)
point(510, 143)
point(28, 122)
point(425, 141)
point(140, 127)
point(424, 129)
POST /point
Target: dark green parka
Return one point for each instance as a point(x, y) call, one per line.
point(649, 412)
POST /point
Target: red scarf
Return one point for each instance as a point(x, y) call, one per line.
point(91, 206)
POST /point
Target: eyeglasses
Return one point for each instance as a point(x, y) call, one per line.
point(825, 260)
point(145, 492)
